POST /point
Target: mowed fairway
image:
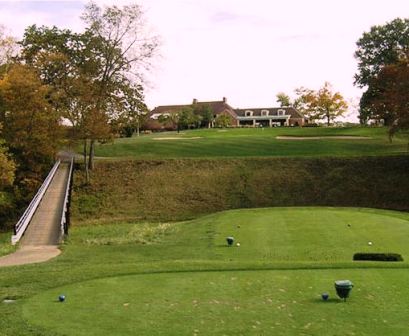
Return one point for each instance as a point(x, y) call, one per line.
point(182, 279)
point(256, 142)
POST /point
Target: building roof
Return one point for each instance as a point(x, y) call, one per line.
point(216, 106)
point(222, 106)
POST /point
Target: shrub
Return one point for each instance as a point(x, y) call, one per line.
point(378, 257)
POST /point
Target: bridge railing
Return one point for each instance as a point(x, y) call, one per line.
point(25, 219)
point(65, 216)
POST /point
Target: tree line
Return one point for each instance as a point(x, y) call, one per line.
point(322, 104)
point(194, 116)
point(59, 87)
point(383, 74)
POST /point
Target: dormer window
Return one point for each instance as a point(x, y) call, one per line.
point(281, 112)
point(248, 113)
point(264, 113)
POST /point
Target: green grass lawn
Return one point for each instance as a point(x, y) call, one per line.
point(180, 278)
point(5, 246)
point(227, 303)
point(254, 142)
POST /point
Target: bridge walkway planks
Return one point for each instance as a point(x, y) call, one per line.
point(41, 239)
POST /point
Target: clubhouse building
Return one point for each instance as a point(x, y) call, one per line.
point(248, 117)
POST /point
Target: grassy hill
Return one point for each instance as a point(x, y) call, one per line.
point(183, 189)
point(262, 142)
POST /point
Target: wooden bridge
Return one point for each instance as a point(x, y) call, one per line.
point(44, 223)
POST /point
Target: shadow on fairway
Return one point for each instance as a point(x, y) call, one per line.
point(334, 300)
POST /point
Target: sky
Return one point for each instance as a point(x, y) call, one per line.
point(244, 50)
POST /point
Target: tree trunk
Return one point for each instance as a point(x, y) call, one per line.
point(91, 165)
point(87, 179)
point(137, 128)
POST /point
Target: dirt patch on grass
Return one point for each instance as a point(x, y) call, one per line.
point(174, 138)
point(344, 137)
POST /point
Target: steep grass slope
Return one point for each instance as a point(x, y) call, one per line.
point(182, 189)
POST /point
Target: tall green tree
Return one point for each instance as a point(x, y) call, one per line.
point(132, 110)
point(383, 45)
point(205, 113)
point(283, 99)
point(187, 119)
point(223, 120)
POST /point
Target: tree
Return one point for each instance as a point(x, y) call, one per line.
point(68, 64)
point(8, 50)
point(323, 104)
point(7, 174)
point(302, 101)
point(388, 96)
point(170, 120)
point(30, 125)
point(382, 45)
point(299, 103)
point(7, 168)
point(132, 110)
point(187, 118)
point(128, 45)
point(88, 71)
point(283, 99)
point(183, 119)
point(206, 114)
point(223, 120)
point(124, 49)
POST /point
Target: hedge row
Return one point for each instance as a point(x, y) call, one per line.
point(377, 257)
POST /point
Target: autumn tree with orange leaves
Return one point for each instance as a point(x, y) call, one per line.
point(322, 104)
point(31, 128)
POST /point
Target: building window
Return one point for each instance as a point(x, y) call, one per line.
point(248, 113)
point(264, 113)
point(281, 112)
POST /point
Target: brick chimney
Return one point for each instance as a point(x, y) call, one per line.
point(194, 101)
point(224, 100)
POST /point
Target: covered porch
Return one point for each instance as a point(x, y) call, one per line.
point(264, 121)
